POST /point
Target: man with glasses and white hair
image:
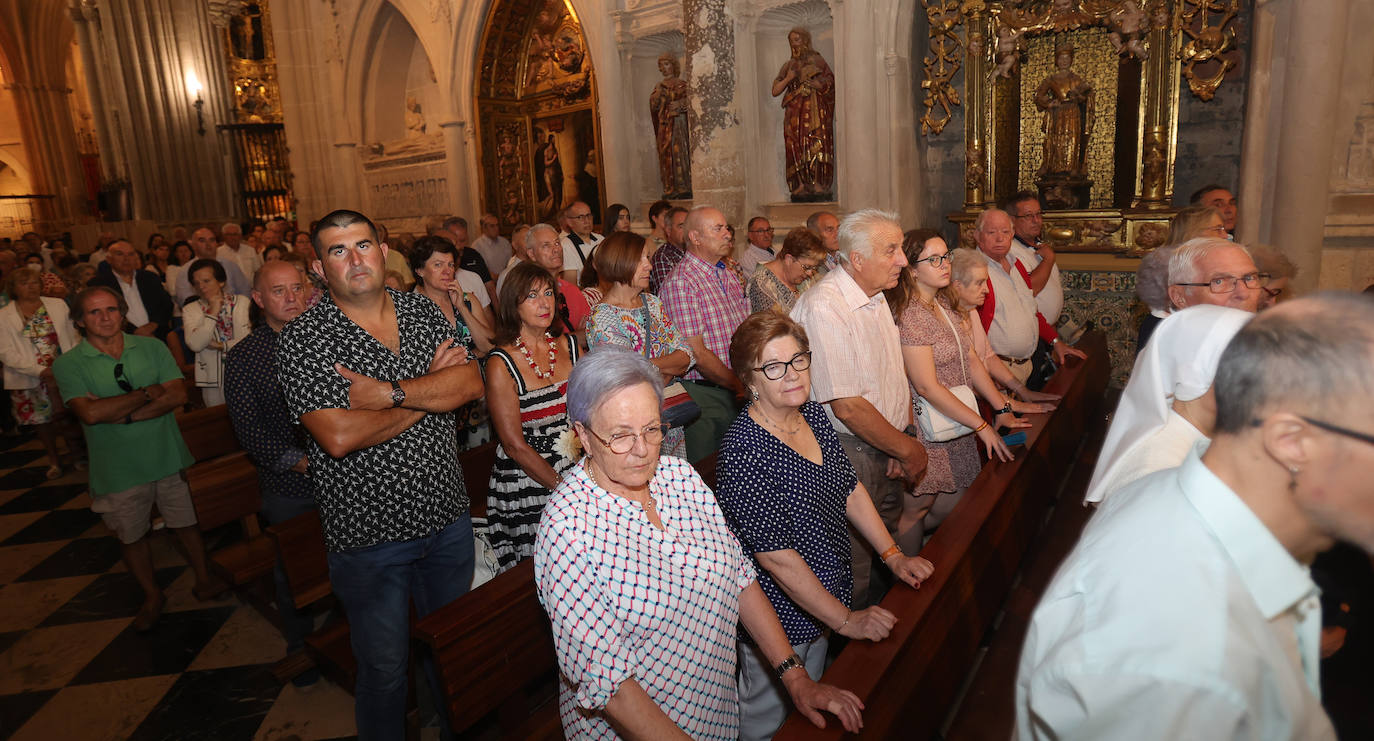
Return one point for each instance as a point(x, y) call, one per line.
point(1211, 270)
point(579, 242)
point(857, 373)
point(1010, 314)
point(232, 247)
point(1187, 610)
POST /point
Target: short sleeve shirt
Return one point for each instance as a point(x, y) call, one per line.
point(404, 488)
point(705, 301)
point(124, 455)
point(776, 499)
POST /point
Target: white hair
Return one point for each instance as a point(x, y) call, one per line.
point(604, 372)
point(531, 241)
point(1183, 263)
point(231, 225)
point(856, 231)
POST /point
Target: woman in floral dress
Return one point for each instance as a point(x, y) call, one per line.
point(629, 316)
point(527, 383)
point(34, 330)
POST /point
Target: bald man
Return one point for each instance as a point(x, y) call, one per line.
point(206, 247)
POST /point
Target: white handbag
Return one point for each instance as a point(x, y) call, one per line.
point(935, 426)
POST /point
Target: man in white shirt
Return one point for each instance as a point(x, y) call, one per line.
point(1187, 611)
point(149, 311)
point(760, 247)
point(234, 248)
point(578, 242)
point(494, 248)
point(203, 245)
point(1027, 220)
point(857, 373)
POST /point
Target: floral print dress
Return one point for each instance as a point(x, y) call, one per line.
point(33, 406)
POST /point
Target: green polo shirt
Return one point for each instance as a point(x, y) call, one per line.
point(123, 456)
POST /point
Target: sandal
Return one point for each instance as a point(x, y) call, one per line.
point(54, 472)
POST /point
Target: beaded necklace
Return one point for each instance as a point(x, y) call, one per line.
point(553, 356)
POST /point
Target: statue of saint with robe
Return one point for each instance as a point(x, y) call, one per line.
point(1067, 101)
point(807, 87)
point(668, 110)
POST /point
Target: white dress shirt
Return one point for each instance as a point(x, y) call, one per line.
point(138, 313)
point(1015, 330)
point(856, 349)
point(1177, 616)
point(245, 257)
point(495, 252)
point(573, 261)
point(1050, 300)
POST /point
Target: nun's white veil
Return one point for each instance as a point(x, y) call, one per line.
point(1178, 362)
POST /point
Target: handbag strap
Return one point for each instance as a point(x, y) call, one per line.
point(963, 362)
point(648, 326)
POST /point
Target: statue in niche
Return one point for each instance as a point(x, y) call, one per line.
point(415, 119)
point(1010, 47)
point(1128, 27)
point(668, 110)
point(548, 173)
point(1067, 101)
point(246, 35)
point(807, 87)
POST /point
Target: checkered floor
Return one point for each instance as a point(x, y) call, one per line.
point(71, 664)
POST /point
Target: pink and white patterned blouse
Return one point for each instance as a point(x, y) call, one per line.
point(628, 600)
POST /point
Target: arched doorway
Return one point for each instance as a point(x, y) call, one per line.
point(539, 132)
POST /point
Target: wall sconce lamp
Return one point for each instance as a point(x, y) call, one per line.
point(193, 89)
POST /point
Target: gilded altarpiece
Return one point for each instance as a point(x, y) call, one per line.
point(539, 133)
point(259, 139)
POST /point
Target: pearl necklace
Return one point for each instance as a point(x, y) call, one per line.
point(648, 505)
point(553, 356)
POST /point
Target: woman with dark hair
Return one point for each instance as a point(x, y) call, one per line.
point(527, 383)
point(52, 284)
point(617, 219)
point(775, 284)
point(215, 321)
point(631, 317)
point(179, 259)
point(434, 261)
point(790, 493)
point(158, 259)
point(274, 252)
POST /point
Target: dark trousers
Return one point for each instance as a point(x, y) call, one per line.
point(718, 411)
point(294, 626)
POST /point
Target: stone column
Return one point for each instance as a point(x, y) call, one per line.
point(1311, 96)
point(717, 147)
point(455, 161)
point(349, 168)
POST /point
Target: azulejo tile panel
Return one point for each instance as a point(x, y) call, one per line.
point(1108, 300)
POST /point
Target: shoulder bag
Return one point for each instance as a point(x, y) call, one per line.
point(678, 408)
point(935, 426)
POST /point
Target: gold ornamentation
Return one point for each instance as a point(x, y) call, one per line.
point(252, 63)
point(942, 63)
point(1148, 236)
point(1207, 23)
point(975, 167)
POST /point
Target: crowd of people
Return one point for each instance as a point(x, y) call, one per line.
point(846, 383)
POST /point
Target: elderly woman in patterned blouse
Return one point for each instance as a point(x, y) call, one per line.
point(789, 491)
point(645, 583)
point(776, 283)
point(629, 316)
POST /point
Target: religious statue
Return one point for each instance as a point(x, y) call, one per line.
point(1127, 24)
point(415, 120)
point(548, 172)
point(808, 126)
point(1067, 101)
point(1010, 47)
point(668, 110)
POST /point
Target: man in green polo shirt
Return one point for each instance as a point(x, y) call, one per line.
point(124, 389)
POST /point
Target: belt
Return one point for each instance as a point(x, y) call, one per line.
point(1013, 361)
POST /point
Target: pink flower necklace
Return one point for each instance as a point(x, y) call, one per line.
point(553, 356)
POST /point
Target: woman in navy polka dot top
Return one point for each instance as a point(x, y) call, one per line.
point(788, 490)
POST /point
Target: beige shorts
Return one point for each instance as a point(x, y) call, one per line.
point(128, 513)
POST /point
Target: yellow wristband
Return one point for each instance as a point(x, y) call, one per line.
point(893, 550)
point(980, 427)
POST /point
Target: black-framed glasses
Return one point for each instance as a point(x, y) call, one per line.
point(778, 368)
point(623, 442)
point(1227, 283)
point(1337, 429)
point(1273, 292)
point(934, 260)
point(121, 380)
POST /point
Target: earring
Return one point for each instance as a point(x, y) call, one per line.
point(1293, 472)
point(753, 394)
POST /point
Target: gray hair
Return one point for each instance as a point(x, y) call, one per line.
point(531, 241)
point(1272, 262)
point(1183, 263)
point(813, 222)
point(983, 217)
point(1311, 354)
point(1152, 279)
point(604, 372)
point(856, 231)
point(231, 227)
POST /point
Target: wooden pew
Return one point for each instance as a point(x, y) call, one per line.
point(908, 681)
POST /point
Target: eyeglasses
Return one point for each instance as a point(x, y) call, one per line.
point(769, 230)
point(1034, 215)
point(623, 442)
point(1227, 283)
point(119, 378)
point(810, 269)
point(580, 216)
point(934, 260)
point(777, 369)
point(1273, 292)
point(1339, 430)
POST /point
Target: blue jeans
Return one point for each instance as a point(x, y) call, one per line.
point(294, 626)
point(376, 585)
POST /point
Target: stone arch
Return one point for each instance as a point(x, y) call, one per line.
point(534, 98)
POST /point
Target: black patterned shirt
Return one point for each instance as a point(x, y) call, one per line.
point(405, 488)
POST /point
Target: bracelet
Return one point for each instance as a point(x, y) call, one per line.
point(892, 550)
point(981, 427)
point(847, 613)
point(791, 662)
point(1006, 407)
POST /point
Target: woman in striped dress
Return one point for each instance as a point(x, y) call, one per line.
point(527, 382)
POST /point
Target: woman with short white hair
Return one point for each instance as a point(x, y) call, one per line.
point(645, 583)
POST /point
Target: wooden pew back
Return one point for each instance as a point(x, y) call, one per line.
point(208, 432)
point(909, 680)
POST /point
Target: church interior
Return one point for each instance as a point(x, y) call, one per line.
point(143, 117)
